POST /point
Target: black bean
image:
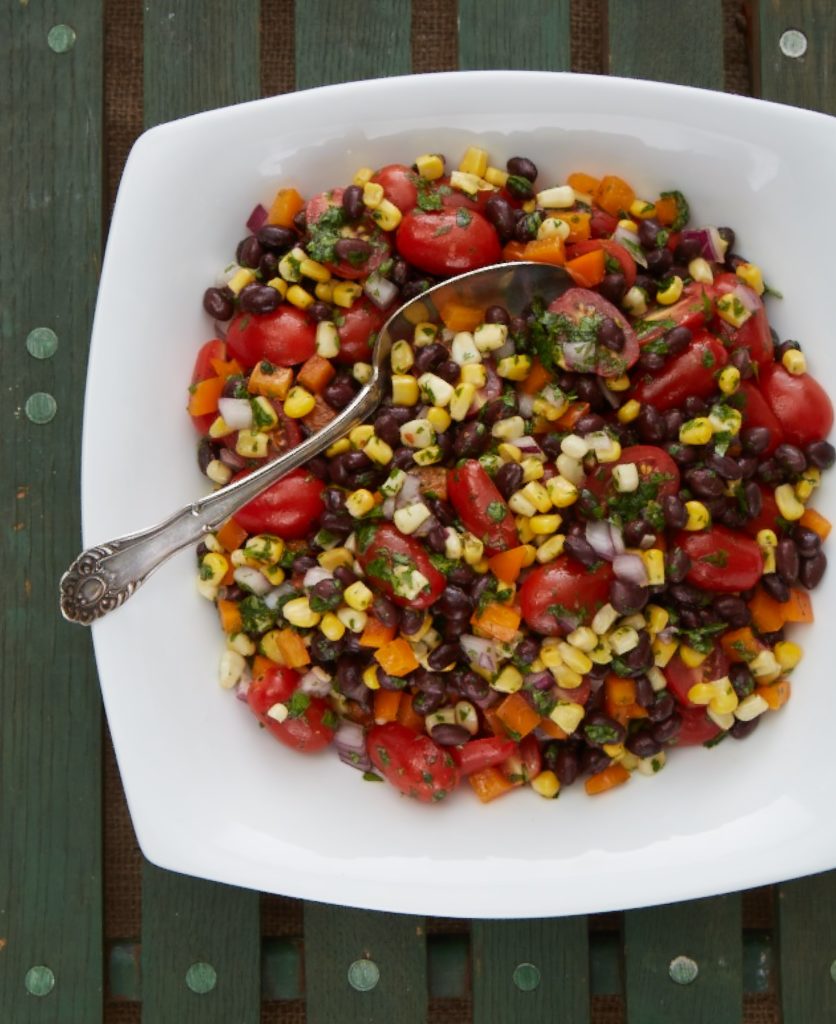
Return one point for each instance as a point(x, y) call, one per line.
point(740, 730)
point(520, 187)
point(479, 587)
point(821, 453)
point(527, 650)
point(471, 440)
point(268, 266)
point(471, 686)
point(429, 356)
point(786, 346)
point(217, 305)
point(724, 466)
point(747, 466)
point(493, 411)
point(637, 534)
point(807, 541)
point(339, 392)
point(566, 765)
point(337, 522)
point(454, 600)
point(402, 459)
point(627, 598)
point(462, 575)
point(447, 735)
point(673, 423)
point(411, 620)
point(742, 680)
point(388, 429)
point(755, 440)
point(643, 744)
point(276, 239)
point(694, 406)
point(775, 587)
point(662, 708)
point(667, 730)
point(497, 315)
point(812, 570)
point(355, 251)
point(613, 288)
point(302, 563)
point(648, 284)
point(349, 676)
point(385, 611)
point(773, 638)
point(791, 458)
point(733, 610)
point(660, 262)
point(599, 729)
point(501, 215)
point(328, 592)
point(651, 362)
point(522, 166)
point(207, 451)
point(249, 252)
point(683, 454)
point(581, 550)
point(449, 371)
point(651, 425)
point(437, 540)
point(728, 236)
point(345, 575)
point(444, 655)
point(593, 760)
point(645, 694)
point(741, 359)
point(753, 497)
point(787, 562)
point(426, 701)
point(678, 339)
point(770, 472)
point(526, 228)
point(508, 479)
point(323, 650)
point(590, 423)
point(648, 232)
point(352, 202)
point(259, 298)
point(688, 249)
point(677, 564)
point(705, 483)
point(319, 311)
point(610, 335)
point(640, 659)
point(300, 222)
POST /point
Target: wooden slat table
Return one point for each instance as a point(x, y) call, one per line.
point(72, 948)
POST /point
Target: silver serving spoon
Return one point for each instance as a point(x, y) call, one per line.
point(104, 577)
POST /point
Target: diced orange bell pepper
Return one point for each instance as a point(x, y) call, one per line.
point(575, 411)
point(204, 395)
point(816, 522)
point(397, 658)
point(767, 613)
point(495, 723)
point(587, 270)
point(261, 665)
point(375, 634)
point(386, 705)
point(457, 316)
point(489, 783)
point(270, 381)
point(315, 374)
point(284, 207)
point(580, 225)
point(517, 715)
point(775, 694)
point(614, 195)
point(407, 715)
point(612, 776)
point(538, 377)
point(552, 729)
point(514, 251)
point(497, 621)
point(799, 608)
point(665, 211)
point(292, 648)
point(231, 535)
point(740, 644)
point(226, 367)
point(507, 565)
point(230, 616)
point(582, 182)
point(546, 250)
point(619, 692)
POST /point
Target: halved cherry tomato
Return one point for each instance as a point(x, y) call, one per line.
point(754, 335)
point(359, 324)
point(767, 518)
point(612, 250)
point(475, 755)
point(290, 508)
point(305, 728)
point(602, 224)
point(447, 241)
point(691, 373)
point(481, 507)
point(721, 559)
point(284, 337)
point(681, 678)
point(580, 305)
point(384, 552)
point(691, 311)
point(558, 597)
point(531, 757)
point(756, 412)
point(697, 728)
point(412, 762)
point(399, 186)
point(203, 370)
point(799, 402)
point(654, 467)
point(371, 233)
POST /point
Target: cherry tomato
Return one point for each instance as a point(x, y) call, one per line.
point(531, 758)
point(399, 187)
point(290, 508)
point(681, 678)
point(754, 335)
point(284, 337)
point(447, 241)
point(412, 762)
point(696, 729)
point(691, 311)
point(384, 553)
point(721, 559)
point(365, 228)
point(756, 413)
point(580, 305)
point(558, 597)
point(575, 695)
point(358, 325)
point(654, 465)
point(601, 223)
point(767, 518)
point(691, 373)
point(203, 370)
point(475, 755)
point(481, 507)
point(611, 249)
point(306, 727)
point(800, 404)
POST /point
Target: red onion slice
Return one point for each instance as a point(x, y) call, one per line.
point(480, 652)
point(316, 575)
point(350, 741)
point(748, 299)
point(580, 356)
point(380, 290)
point(251, 579)
point(232, 459)
point(713, 246)
point(630, 569)
point(236, 412)
point(599, 537)
point(257, 219)
point(630, 241)
point(528, 446)
point(316, 683)
point(526, 406)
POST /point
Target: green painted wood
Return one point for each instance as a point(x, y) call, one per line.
point(667, 42)
point(807, 949)
point(50, 723)
point(536, 38)
point(198, 55)
point(343, 944)
point(807, 80)
point(536, 971)
point(707, 933)
point(343, 42)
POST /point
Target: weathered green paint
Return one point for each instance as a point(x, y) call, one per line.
point(805, 81)
point(535, 38)
point(50, 722)
point(336, 939)
point(197, 56)
point(344, 42)
point(666, 42)
point(807, 949)
point(659, 944)
point(536, 971)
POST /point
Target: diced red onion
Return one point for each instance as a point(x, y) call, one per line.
point(580, 355)
point(316, 683)
point(242, 689)
point(350, 741)
point(480, 652)
point(747, 298)
point(610, 396)
point(257, 219)
point(508, 349)
point(236, 412)
point(316, 575)
point(539, 680)
point(409, 493)
point(429, 523)
point(251, 579)
point(221, 327)
point(713, 246)
point(630, 240)
point(388, 508)
point(380, 290)
point(528, 446)
point(599, 537)
point(273, 598)
point(617, 539)
point(526, 406)
point(232, 459)
point(630, 569)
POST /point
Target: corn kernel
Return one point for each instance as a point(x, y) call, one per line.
point(794, 362)
point(767, 540)
point(327, 339)
point(606, 448)
point(561, 197)
point(546, 784)
point(765, 666)
point(751, 707)
point(324, 292)
point(472, 548)
point(358, 596)
point(418, 433)
point(218, 472)
point(435, 389)
point(698, 516)
point(657, 678)
point(346, 293)
point(583, 638)
point(428, 456)
point(641, 209)
point(515, 367)
point(274, 574)
point(673, 292)
point(359, 503)
point(663, 652)
point(386, 215)
point(529, 555)
point(468, 183)
point(231, 667)
point(401, 357)
point(315, 271)
point(509, 680)
point(626, 477)
point(700, 270)
point(489, 337)
point(657, 618)
point(252, 444)
point(701, 693)
point(439, 418)
point(751, 274)
point(213, 568)
point(604, 619)
point(495, 176)
point(574, 658)
point(462, 399)
point(298, 612)
point(360, 436)
point(509, 452)
point(474, 374)
point(474, 161)
point(690, 656)
point(297, 296)
point(430, 166)
point(240, 279)
point(373, 194)
point(370, 678)
point(731, 309)
point(804, 490)
point(724, 721)
point(299, 403)
point(335, 557)
point(553, 227)
point(279, 285)
point(410, 517)
point(510, 429)
point(696, 431)
point(623, 639)
point(338, 448)
point(532, 468)
point(562, 492)
point(654, 563)
point(424, 333)
point(729, 380)
point(723, 418)
point(362, 372)
point(353, 620)
point(629, 411)
point(635, 301)
point(529, 206)
point(544, 525)
point(362, 175)
point(568, 716)
point(537, 494)
point(404, 390)
point(788, 505)
point(787, 654)
point(725, 700)
point(264, 548)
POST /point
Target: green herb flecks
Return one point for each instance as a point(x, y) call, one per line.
point(324, 234)
point(683, 214)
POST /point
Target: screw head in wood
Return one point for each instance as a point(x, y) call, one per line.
point(61, 38)
point(363, 975)
point(40, 407)
point(201, 978)
point(41, 342)
point(683, 970)
point(39, 980)
point(526, 977)
point(793, 43)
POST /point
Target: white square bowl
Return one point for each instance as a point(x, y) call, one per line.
point(213, 796)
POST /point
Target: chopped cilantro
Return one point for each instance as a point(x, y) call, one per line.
point(371, 777)
point(601, 733)
point(256, 617)
point(707, 359)
point(324, 234)
point(720, 559)
point(701, 639)
point(329, 719)
point(715, 739)
point(443, 229)
point(463, 217)
point(497, 511)
point(682, 212)
point(629, 506)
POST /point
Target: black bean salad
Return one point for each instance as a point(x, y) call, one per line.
point(568, 542)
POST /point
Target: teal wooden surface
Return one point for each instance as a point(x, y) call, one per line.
point(807, 952)
point(795, 52)
point(50, 723)
point(536, 38)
